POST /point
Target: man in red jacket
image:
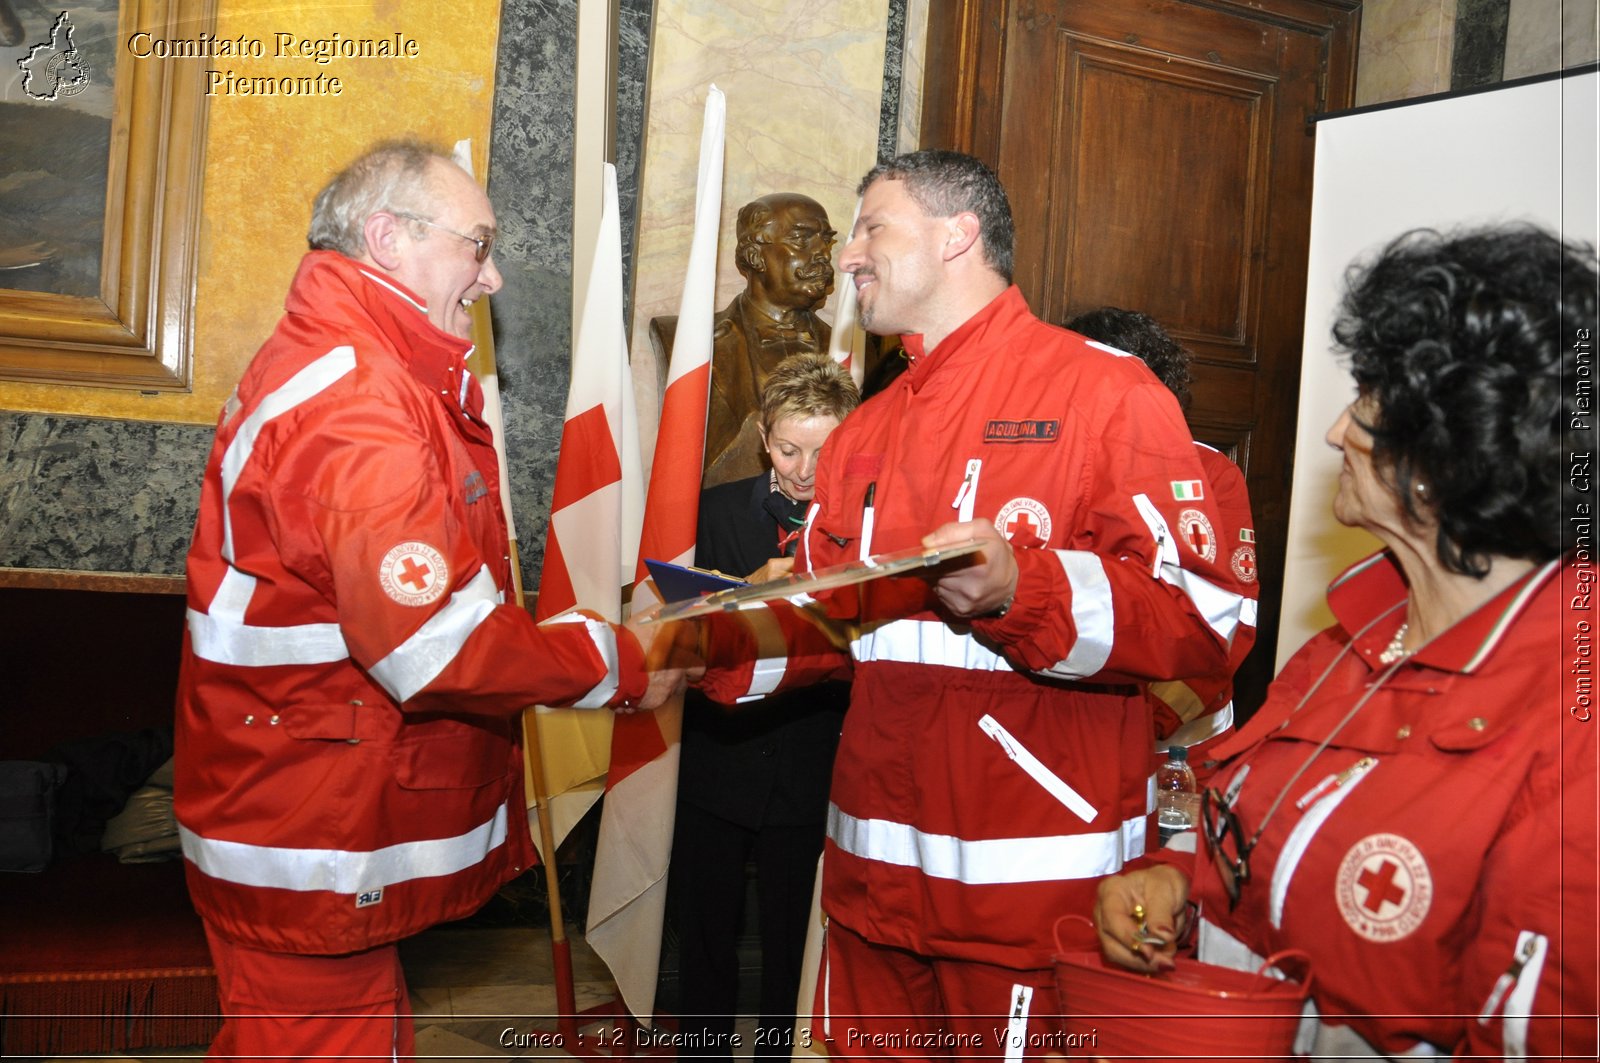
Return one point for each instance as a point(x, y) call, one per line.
point(348, 767)
point(995, 759)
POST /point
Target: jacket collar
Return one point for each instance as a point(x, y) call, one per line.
point(330, 285)
point(975, 337)
point(1375, 585)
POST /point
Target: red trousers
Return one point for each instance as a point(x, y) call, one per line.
point(878, 1002)
point(281, 1006)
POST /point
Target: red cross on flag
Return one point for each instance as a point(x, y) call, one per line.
point(627, 900)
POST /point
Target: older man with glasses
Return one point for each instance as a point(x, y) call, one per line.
point(348, 766)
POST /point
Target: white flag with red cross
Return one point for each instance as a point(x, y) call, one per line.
point(592, 541)
point(627, 900)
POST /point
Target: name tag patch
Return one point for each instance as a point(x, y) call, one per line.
point(1021, 431)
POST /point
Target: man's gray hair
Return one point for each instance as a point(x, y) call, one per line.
point(947, 183)
point(392, 176)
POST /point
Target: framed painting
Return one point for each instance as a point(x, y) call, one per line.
point(100, 181)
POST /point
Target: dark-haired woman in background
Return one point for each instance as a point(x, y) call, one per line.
point(1415, 806)
point(1195, 712)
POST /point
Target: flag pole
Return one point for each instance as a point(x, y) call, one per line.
point(560, 947)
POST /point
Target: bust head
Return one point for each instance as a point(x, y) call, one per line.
point(784, 251)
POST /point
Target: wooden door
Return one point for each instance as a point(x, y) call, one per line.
point(1158, 157)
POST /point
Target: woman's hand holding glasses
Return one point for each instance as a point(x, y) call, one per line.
point(1141, 916)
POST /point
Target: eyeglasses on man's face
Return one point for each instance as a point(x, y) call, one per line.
point(485, 244)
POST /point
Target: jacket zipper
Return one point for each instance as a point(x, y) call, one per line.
point(1516, 987)
point(1322, 800)
point(1052, 783)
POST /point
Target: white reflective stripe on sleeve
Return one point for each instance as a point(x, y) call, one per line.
point(605, 643)
point(1036, 770)
point(988, 862)
point(1017, 1027)
point(221, 635)
point(926, 642)
point(1093, 616)
point(344, 871)
point(1222, 610)
point(229, 642)
point(418, 660)
point(233, 596)
point(1201, 729)
point(772, 656)
point(1179, 697)
point(306, 384)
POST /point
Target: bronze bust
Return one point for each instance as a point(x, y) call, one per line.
point(784, 252)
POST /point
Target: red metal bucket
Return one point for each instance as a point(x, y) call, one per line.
point(1195, 1010)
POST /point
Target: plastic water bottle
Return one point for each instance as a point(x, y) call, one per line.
point(1177, 797)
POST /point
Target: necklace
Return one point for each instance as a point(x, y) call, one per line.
point(1396, 648)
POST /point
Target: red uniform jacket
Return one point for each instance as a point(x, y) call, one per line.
point(1437, 859)
point(988, 772)
point(1197, 712)
point(348, 770)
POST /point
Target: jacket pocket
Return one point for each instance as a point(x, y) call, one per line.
point(447, 753)
point(1513, 992)
point(1052, 783)
point(1319, 803)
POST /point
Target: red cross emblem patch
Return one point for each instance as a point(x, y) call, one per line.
point(1244, 564)
point(1024, 521)
point(413, 573)
point(1383, 887)
point(1194, 528)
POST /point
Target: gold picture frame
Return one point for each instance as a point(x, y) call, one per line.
point(138, 331)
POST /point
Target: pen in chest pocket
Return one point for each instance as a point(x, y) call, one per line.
point(867, 517)
point(967, 494)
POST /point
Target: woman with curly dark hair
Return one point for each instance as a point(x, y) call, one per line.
point(1414, 808)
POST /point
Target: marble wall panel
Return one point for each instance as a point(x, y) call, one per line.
point(893, 81)
point(530, 182)
point(1406, 48)
point(1546, 35)
point(912, 65)
point(93, 495)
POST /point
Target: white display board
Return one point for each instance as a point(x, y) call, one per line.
point(1518, 152)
